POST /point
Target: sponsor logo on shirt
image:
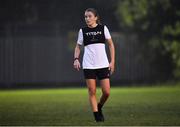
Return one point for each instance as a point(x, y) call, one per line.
point(93, 33)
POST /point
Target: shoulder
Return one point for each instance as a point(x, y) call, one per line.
point(84, 27)
point(80, 30)
point(105, 27)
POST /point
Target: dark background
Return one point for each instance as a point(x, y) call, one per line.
point(37, 40)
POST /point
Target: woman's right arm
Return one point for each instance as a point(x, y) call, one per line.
point(77, 51)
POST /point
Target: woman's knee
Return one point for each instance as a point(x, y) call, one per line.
point(106, 93)
point(91, 91)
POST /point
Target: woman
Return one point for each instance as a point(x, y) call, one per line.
point(95, 61)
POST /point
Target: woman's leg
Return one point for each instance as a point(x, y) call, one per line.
point(105, 86)
point(91, 84)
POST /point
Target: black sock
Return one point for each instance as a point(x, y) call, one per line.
point(97, 116)
point(99, 106)
point(100, 111)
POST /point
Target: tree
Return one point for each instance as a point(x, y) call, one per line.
point(156, 23)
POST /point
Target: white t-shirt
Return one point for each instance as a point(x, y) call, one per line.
point(95, 56)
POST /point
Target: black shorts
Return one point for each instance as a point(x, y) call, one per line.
point(102, 73)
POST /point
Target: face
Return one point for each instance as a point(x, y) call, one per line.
point(90, 18)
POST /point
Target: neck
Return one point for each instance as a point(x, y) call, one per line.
point(93, 25)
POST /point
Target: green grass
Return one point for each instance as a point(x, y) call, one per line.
point(126, 106)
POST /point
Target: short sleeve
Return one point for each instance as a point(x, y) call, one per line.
point(107, 33)
point(80, 37)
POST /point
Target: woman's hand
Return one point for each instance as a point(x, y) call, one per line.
point(77, 65)
point(111, 68)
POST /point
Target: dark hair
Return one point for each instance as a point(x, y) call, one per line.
point(94, 11)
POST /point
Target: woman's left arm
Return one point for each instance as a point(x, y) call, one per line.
point(112, 55)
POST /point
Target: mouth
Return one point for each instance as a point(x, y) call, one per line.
point(88, 23)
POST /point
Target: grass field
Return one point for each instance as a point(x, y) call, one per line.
point(126, 106)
